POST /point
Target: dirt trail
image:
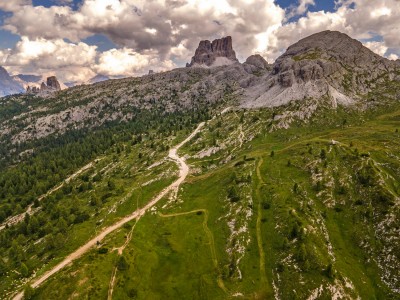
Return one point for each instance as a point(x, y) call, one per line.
point(183, 172)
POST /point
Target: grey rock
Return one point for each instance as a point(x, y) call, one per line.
point(43, 87)
point(256, 64)
point(258, 61)
point(326, 64)
point(207, 52)
point(52, 86)
point(52, 83)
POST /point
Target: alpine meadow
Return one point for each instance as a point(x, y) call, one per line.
point(220, 179)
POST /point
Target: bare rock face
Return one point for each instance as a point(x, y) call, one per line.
point(256, 63)
point(53, 83)
point(43, 87)
point(328, 64)
point(51, 86)
point(334, 57)
point(208, 52)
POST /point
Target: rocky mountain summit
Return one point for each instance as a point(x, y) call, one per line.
point(256, 63)
point(218, 52)
point(328, 67)
point(52, 83)
point(32, 84)
point(336, 233)
point(328, 64)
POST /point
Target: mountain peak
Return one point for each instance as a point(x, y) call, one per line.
point(334, 46)
point(53, 83)
point(326, 64)
point(217, 52)
point(8, 85)
point(4, 73)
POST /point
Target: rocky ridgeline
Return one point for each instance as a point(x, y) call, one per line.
point(326, 54)
point(328, 68)
point(219, 51)
point(51, 86)
point(327, 64)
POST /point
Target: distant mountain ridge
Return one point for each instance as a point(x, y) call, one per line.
point(21, 83)
point(97, 78)
point(293, 189)
point(29, 78)
point(8, 85)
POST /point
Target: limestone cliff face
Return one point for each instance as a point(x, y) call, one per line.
point(334, 57)
point(53, 83)
point(328, 64)
point(208, 52)
point(256, 63)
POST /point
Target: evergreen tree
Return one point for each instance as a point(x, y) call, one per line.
point(29, 292)
point(24, 270)
point(122, 264)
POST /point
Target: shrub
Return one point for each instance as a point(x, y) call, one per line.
point(122, 264)
point(233, 194)
point(103, 250)
point(322, 154)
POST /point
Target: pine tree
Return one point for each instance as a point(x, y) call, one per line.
point(122, 264)
point(24, 270)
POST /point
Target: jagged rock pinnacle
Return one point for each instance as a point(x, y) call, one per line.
point(208, 52)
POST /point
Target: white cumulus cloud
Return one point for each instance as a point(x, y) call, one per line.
point(377, 47)
point(162, 34)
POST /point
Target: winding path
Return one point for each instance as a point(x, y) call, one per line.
point(183, 172)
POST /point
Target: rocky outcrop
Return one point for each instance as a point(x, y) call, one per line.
point(43, 87)
point(52, 83)
point(256, 63)
point(52, 86)
point(218, 52)
point(332, 56)
point(327, 64)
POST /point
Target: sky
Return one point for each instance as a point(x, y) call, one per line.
point(77, 39)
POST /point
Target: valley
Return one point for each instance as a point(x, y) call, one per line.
point(218, 181)
point(281, 210)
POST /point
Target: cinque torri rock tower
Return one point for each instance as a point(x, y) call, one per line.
point(215, 53)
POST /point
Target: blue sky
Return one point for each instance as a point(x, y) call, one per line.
point(130, 37)
point(327, 5)
point(8, 39)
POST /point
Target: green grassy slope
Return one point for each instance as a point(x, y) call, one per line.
point(308, 212)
